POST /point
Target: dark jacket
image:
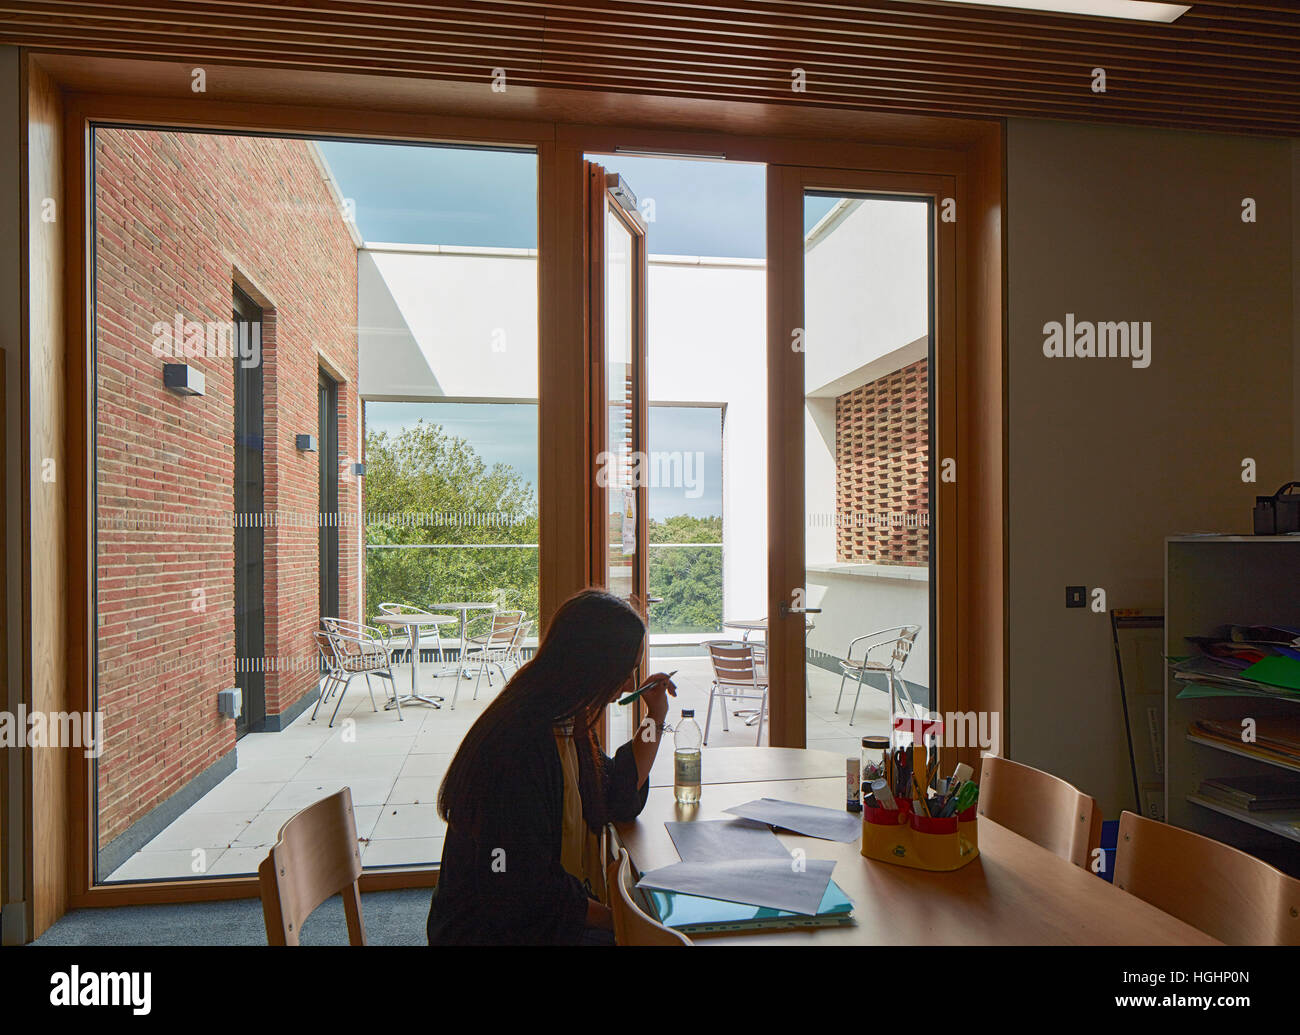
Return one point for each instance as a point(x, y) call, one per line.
point(506, 886)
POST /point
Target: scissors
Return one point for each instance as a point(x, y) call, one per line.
point(902, 772)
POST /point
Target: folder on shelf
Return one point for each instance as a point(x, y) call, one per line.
point(1276, 738)
point(1278, 671)
point(1255, 793)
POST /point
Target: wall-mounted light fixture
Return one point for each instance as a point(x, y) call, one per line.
point(306, 443)
point(358, 469)
point(183, 379)
point(230, 702)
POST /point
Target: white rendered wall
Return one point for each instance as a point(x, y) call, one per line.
point(447, 323)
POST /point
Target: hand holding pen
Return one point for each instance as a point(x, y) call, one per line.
point(655, 691)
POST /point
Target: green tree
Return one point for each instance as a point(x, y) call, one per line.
point(688, 578)
point(426, 488)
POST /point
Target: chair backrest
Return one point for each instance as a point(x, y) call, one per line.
point(521, 634)
point(733, 662)
point(325, 646)
point(389, 607)
point(505, 626)
point(349, 637)
point(1218, 889)
point(632, 925)
point(316, 857)
point(1041, 807)
point(903, 645)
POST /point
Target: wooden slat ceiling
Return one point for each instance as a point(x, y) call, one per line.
point(1222, 66)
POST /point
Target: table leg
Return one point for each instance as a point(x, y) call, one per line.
point(415, 695)
point(464, 644)
point(415, 657)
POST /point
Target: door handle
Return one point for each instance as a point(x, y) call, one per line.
point(786, 609)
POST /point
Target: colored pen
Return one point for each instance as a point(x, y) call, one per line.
point(646, 686)
point(921, 802)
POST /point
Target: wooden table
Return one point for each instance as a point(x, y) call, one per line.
point(1015, 893)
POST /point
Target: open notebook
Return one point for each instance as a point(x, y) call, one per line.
point(692, 914)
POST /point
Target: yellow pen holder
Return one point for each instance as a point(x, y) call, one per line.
point(906, 838)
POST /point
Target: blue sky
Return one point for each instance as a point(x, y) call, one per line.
point(461, 196)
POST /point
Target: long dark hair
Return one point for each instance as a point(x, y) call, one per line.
point(592, 645)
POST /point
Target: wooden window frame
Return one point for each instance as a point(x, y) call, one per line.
point(74, 93)
point(787, 188)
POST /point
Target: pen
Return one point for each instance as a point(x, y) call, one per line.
point(646, 686)
point(921, 802)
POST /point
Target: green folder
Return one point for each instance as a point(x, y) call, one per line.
point(1277, 670)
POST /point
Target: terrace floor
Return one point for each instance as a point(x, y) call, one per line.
point(394, 770)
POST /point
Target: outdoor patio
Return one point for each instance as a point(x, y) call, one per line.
point(394, 770)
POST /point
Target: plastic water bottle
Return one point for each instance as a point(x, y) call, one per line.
point(686, 759)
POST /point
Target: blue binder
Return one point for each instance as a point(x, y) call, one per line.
point(693, 914)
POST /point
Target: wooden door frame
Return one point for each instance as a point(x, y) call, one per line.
point(787, 528)
point(601, 203)
point(59, 584)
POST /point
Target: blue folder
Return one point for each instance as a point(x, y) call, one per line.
point(694, 914)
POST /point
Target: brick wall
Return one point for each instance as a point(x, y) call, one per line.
point(882, 439)
point(180, 218)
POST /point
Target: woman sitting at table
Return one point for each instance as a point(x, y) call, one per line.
point(529, 790)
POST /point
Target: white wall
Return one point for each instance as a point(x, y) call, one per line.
point(708, 334)
point(866, 290)
point(447, 323)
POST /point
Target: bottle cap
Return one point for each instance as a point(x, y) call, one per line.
point(688, 713)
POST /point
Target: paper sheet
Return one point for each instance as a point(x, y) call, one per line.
point(774, 883)
point(812, 820)
point(717, 840)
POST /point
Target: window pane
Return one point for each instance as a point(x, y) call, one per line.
point(294, 427)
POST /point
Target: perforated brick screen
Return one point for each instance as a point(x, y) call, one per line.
point(882, 436)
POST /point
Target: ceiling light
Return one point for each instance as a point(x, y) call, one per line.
point(1137, 10)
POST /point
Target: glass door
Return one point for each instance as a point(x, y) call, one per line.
point(617, 322)
point(861, 419)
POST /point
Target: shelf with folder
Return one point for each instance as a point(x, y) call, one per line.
point(1212, 582)
point(1231, 749)
point(1283, 822)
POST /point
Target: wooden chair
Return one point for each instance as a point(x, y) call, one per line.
point(1216, 888)
point(632, 925)
point(315, 858)
point(1041, 807)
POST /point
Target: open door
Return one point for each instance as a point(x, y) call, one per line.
point(616, 294)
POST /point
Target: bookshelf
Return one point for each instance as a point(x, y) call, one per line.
point(1211, 581)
